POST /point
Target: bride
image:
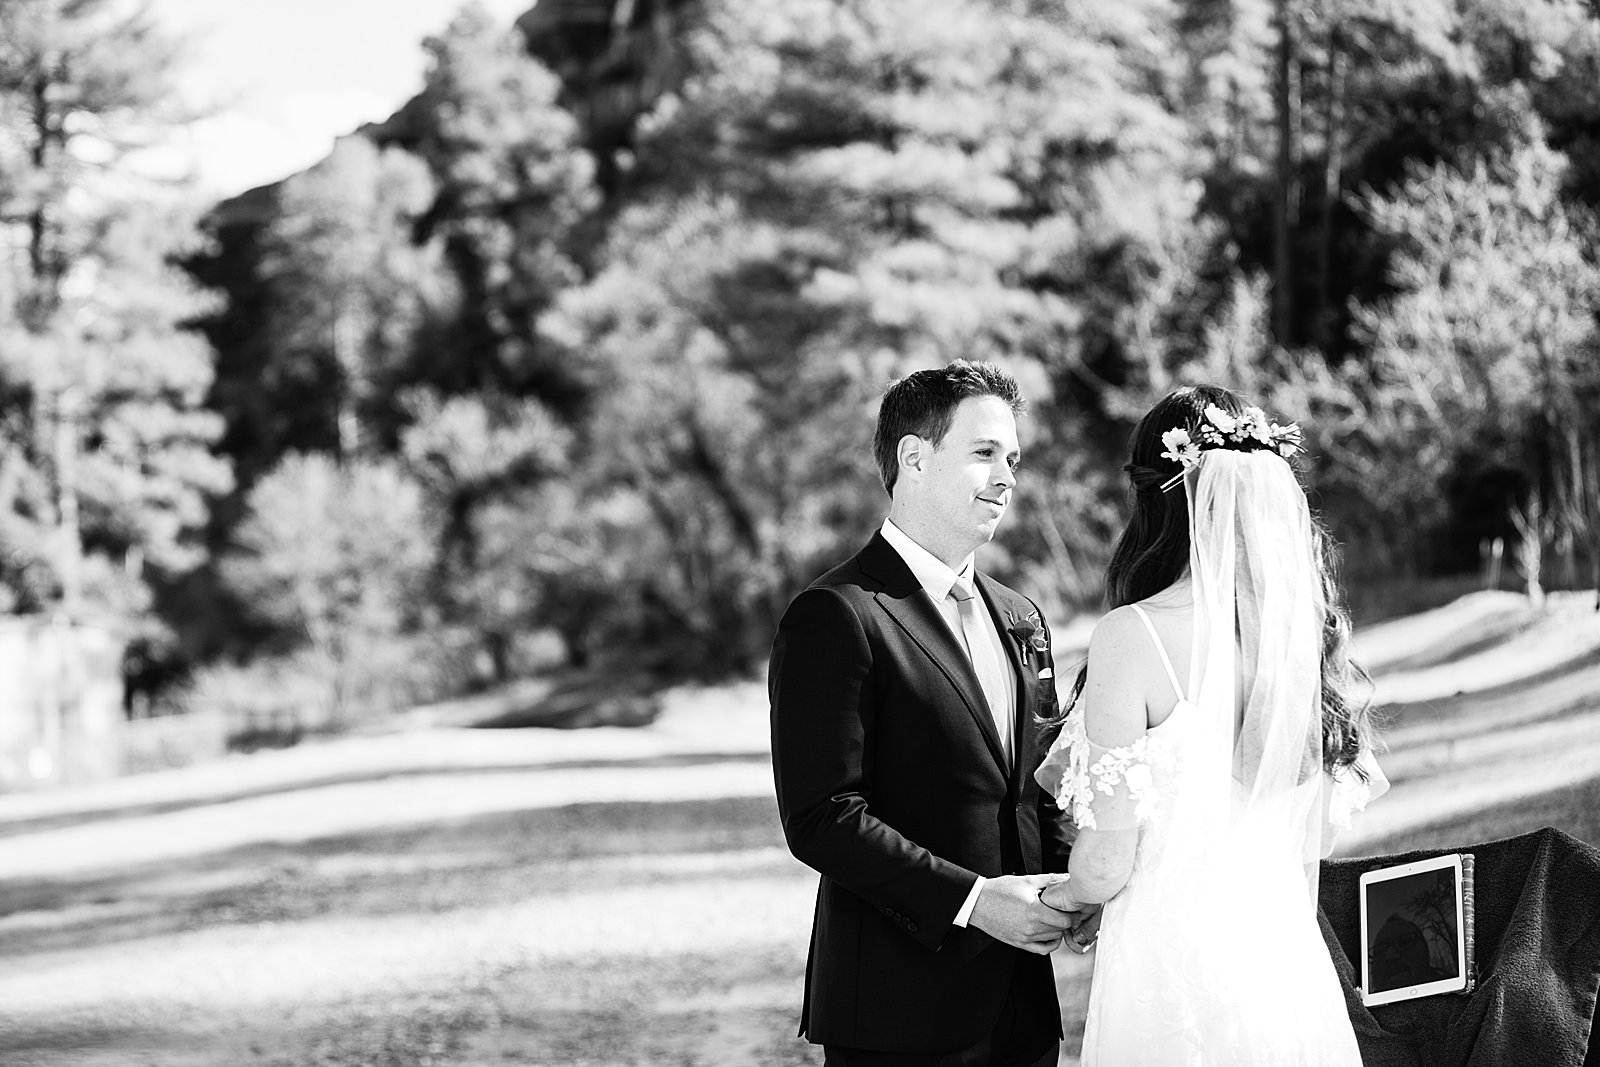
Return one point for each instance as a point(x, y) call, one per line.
point(1205, 796)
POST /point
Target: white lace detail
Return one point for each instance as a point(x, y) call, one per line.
point(1127, 771)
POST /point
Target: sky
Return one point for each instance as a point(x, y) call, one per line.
point(283, 79)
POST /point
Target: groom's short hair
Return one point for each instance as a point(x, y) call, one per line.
point(924, 403)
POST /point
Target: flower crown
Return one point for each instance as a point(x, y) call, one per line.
point(1249, 431)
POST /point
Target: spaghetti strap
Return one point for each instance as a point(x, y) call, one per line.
point(1161, 650)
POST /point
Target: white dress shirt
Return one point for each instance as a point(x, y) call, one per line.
point(936, 579)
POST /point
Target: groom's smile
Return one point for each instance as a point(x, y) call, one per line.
point(966, 480)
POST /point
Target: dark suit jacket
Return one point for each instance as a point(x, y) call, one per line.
point(891, 784)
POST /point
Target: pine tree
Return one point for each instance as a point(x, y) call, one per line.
point(350, 289)
point(512, 183)
point(1301, 105)
point(106, 441)
point(1485, 356)
point(489, 468)
point(336, 556)
point(837, 194)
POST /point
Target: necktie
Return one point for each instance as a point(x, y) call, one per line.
point(985, 660)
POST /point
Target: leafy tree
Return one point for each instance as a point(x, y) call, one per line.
point(644, 422)
point(512, 183)
point(485, 467)
point(723, 423)
point(1299, 105)
point(837, 194)
point(336, 557)
point(350, 288)
point(1488, 348)
point(1362, 485)
point(552, 559)
point(105, 464)
point(391, 294)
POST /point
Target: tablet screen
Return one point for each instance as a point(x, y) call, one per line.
point(1412, 931)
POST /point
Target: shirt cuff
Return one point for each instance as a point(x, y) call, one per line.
point(972, 900)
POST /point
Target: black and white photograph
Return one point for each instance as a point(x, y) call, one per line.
point(799, 533)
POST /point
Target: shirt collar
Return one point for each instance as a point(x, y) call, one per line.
point(929, 570)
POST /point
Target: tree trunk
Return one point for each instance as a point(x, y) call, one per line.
point(1287, 201)
point(498, 645)
point(742, 515)
point(578, 653)
point(1583, 498)
point(1332, 187)
point(345, 347)
point(1531, 528)
point(1594, 565)
point(69, 533)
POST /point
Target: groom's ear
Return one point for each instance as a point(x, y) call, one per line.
point(910, 453)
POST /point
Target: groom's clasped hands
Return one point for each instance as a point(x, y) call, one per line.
point(1012, 909)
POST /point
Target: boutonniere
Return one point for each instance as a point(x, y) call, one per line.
point(1030, 635)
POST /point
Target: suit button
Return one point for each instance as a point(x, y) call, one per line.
point(912, 927)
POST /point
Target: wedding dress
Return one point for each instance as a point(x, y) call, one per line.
point(1212, 954)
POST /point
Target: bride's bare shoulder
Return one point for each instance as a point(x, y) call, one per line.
point(1114, 696)
point(1118, 640)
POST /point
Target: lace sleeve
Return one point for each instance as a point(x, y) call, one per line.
point(1352, 791)
point(1101, 788)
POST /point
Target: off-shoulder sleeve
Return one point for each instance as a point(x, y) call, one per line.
point(1353, 791)
point(1101, 788)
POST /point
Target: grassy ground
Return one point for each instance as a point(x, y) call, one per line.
point(604, 897)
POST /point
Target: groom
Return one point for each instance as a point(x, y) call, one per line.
point(904, 686)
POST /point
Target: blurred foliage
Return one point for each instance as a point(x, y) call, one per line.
point(337, 555)
point(349, 287)
point(592, 351)
point(834, 195)
point(1487, 355)
point(511, 184)
point(106, 463)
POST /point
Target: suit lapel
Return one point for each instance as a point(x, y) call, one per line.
point(910, 606)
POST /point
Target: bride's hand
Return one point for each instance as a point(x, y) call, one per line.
point(1058, 895)
point(1085, 928)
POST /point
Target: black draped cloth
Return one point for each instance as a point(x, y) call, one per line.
point(1537, 937)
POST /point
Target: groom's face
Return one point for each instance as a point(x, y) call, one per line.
point(967, 480)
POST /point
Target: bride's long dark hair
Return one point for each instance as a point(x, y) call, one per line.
point(1153, 553)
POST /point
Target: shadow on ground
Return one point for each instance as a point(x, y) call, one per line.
point(1574, 809)
point(1563, 688)
point(617, 1007)
point(477, 862)
point(78, 816)
point(618, 932)
point(1467, 639)
point(580, 701)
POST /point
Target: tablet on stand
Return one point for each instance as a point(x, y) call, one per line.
point(1416, 930)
